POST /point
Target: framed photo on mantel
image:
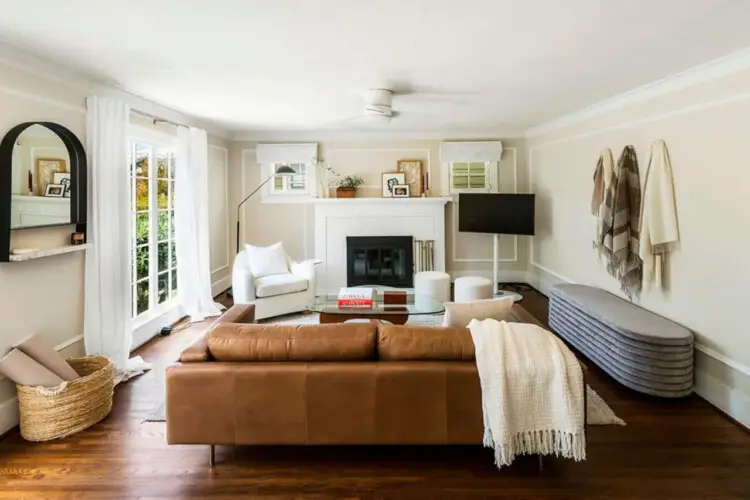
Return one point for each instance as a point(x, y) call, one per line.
point(412, 170)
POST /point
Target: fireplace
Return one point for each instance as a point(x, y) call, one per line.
point(380, 260)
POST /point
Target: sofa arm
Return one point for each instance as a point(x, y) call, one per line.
point(243, 282)
point(304, 269)
point(197, 352)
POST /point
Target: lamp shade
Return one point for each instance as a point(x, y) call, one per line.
point(285, 170)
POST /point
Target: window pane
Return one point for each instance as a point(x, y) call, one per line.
point(174, 282)
point(477, 167)
point(163, 287)
point(163, 233)
point(278, 183)
point(163, 251)
point(460, 181)
point(141, 194)
point(171, 230)
point(142, 297)
point(174, 255)
point(172, 163)
point(460, 168)
point(171, 194)
point(162, 194)
point(142, 229)
point(141, 160)
point(141, 262)
point(477, 181)
point(161, 165)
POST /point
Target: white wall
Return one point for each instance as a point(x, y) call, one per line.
point(46, 296)
point(705, 126)
point(294, 223)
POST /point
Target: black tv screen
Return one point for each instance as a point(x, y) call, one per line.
point(496, 213)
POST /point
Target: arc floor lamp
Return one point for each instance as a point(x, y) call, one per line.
point(283, 170)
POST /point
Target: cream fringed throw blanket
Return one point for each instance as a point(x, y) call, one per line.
point(532, 391)
point(659, 231)
point(603, 176)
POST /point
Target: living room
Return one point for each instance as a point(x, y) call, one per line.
point(479, 98)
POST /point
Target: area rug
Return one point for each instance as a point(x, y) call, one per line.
point(598, 411)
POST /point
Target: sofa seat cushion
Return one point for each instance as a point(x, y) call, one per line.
point(426, 343)
point(258, 342)
point(279, 284)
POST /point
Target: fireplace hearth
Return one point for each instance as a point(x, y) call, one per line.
point(380, 260)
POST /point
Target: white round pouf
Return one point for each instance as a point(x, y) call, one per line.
point(436, 284)
point(472, 288)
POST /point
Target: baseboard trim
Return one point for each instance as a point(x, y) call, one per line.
point(220, 286)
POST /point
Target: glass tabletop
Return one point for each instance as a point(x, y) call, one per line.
point(415, 305)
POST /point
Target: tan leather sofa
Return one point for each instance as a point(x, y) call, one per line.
point(333, 384)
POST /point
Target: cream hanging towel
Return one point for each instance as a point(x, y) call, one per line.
point(603, 176)
point(659, 231)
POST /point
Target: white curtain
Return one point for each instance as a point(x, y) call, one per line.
point(107, 325)
point(191, 225)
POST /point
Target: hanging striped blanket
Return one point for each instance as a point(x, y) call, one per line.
point(620, 237)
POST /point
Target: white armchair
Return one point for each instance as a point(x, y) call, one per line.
point(276, 294)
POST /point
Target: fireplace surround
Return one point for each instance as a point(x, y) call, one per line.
point(338, 218)
point(380, 260)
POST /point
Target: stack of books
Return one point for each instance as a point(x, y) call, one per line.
point(355, 298)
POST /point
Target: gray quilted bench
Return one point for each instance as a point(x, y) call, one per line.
point(639, 349)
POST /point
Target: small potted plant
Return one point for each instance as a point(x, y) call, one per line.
point(347, 187)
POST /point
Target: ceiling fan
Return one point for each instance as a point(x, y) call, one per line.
point(378, 105)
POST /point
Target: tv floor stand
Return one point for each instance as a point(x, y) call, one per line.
point(496, 291)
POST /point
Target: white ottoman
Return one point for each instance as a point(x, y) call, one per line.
point(433, 283)
point(471, 288)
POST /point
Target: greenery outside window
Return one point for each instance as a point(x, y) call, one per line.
point(154, 271)
point(469, 176)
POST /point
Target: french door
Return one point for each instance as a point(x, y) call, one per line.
point(154, 271)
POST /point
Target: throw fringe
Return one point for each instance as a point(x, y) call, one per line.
point(544, 442)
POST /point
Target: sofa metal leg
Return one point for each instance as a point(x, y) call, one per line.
point(541, 462)
point(211, 456)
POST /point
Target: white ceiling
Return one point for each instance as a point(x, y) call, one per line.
point(301, 64)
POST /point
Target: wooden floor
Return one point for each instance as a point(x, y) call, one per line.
point(668, 450)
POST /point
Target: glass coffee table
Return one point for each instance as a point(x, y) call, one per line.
point(398, 314)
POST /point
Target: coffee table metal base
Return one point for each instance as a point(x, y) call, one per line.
point(396, 319)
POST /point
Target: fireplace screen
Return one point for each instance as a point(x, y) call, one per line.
point(380, 260)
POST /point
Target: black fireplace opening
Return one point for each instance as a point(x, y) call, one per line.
point(380, 260)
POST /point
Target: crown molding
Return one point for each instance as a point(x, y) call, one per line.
point(375, 135)
point(717, 68)
point(29, 63)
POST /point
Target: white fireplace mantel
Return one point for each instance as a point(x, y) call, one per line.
point(337, 218)
point(433, 200)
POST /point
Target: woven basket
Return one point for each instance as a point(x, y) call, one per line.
point(59, 412)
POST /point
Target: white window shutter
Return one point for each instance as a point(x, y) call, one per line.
point(477, 151)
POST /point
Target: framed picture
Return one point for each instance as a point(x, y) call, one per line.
point(64, 180)
point(391, 179)
point(45, 172)
point(401, 191)
point(54, 191)
point(412, 170)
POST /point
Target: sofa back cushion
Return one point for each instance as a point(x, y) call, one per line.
point(335, 342)
point(427, 343)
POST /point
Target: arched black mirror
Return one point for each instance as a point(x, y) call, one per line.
point(42, 180)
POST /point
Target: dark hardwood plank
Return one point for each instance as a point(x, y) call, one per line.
point(669, 450)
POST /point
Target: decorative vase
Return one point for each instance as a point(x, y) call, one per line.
point(346, 192)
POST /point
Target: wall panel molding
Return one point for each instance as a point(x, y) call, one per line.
point(226, 202)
